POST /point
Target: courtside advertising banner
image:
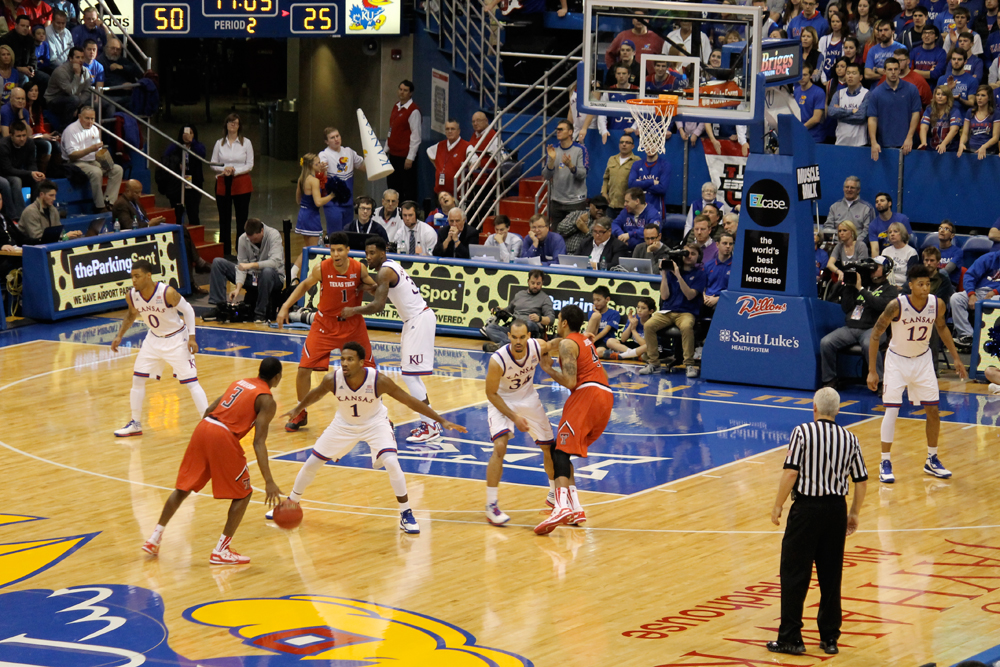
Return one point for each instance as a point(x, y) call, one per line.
point(464, 295)
point(99, 273)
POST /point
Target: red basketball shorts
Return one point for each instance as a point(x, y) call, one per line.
point(322, 340)
point(584, 418)
point(214, 453)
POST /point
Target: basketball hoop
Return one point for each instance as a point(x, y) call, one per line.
point(653, 116)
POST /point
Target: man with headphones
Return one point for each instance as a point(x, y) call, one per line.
point(365, 223)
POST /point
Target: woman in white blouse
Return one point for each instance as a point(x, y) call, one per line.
point(903, 256)
point(233, 187)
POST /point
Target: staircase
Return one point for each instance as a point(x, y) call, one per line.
point(519, 209)
point(208, 251)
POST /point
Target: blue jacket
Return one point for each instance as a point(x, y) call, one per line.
point(626, 222)
point(654, 179)
point(984, 272)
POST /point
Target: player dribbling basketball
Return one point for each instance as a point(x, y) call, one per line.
point(585, 415)
point(214, 452)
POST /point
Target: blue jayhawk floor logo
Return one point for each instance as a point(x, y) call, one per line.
point(91, 626)
point(369, 15)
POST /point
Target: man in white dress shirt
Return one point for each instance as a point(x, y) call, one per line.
point(413, 237)
point(80, 142)
point(388, 214)
point(508, 242)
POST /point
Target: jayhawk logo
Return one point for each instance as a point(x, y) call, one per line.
point(369, 15)
point(105, 623)
point(508, 6)
point(342, 164)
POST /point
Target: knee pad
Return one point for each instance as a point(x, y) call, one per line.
point(561, 464)
point(415, 385)
point(889, 424)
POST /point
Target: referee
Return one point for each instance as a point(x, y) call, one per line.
point(821, 455)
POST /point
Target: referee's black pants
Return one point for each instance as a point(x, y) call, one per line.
point(815, 532)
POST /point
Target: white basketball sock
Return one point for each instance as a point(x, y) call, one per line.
point(200, 399)
point(396, 477)
point(889, 424)
point(491, 494)
point(305, 477)
point(415, 387)
point(157, 534)
point(630, 353)
point(295, 272)
point(136, 397)
point(574, 500)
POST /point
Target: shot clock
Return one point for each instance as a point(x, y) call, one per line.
point(267, 18)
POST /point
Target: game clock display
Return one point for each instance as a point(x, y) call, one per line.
point(268, 18)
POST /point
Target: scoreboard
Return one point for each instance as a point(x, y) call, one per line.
point(266, 18)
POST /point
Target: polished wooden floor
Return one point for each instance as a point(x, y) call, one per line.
point(684, 574)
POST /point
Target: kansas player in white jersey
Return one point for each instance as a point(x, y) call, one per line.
point(361, 417)
point(909, 365)
point(170, 340)
point(514, 403)
point(419, 326)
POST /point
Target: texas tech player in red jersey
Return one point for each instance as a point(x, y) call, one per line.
point(215, 453)
point(342, 281)
point(584, 417)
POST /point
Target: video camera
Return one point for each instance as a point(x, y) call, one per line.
point(235, 312)
point(864, 268)
point(673, 256)
point(502, 316)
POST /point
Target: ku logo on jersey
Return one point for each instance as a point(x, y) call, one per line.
point(111, 623)
point(416, 359)
point(342, 165)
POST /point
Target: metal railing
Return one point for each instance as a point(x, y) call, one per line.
point(479, 190)
point(128, 45)
point(95, 94)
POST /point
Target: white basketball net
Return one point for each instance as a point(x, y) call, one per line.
point(652, 126)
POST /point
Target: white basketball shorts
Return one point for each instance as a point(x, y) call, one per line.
point(418, 343)
point(914, 374)
point(539, 426)
point(155, 352)
point(340, 438)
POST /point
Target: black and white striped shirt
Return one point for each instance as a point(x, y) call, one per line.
point(824, 454)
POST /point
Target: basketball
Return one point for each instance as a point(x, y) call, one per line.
point(287, 514)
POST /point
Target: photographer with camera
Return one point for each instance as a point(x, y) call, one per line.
point(531, 305)
point(681, 286)
point(261, 264)
point(866, 293)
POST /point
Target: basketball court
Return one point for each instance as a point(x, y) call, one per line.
point(677, 565)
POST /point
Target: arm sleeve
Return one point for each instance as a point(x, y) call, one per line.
point(793, 460)
point(582, 164)
point(602, 125)
point(432, 151)
point(547, 310)
point(187, 312)
point(414, 121)
point(246, 167)
point(242, 257)
point(515, 247)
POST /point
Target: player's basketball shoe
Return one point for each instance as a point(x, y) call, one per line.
point(994, 388)
point(610, 354)
point(495, 516)
point(885, 472)
point(560, 517)
point(408, 523)
point(131, 429)
point(269, 515)
point(151, 547)
point(425, 432)
point(227, 557)
point(298, 422)
point(550, 500)
point(933, 466)
point(579, 518)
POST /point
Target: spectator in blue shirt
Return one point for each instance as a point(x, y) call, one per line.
point(946, 19)
point(653, 177)
point(928, 59)
point(604, 319)
point(90, 63)
point(542, 243)
point(962, 84)
point(631, 222)
point(809, 17)
point(717, 272)
point(43, 54)
point(893, 112)
point(91, 28)
point(981, 131)
point(878, 230)
point(881, 51)
point(981, 281)
point(974, 64)
point(812, 104)
point(951, 254)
